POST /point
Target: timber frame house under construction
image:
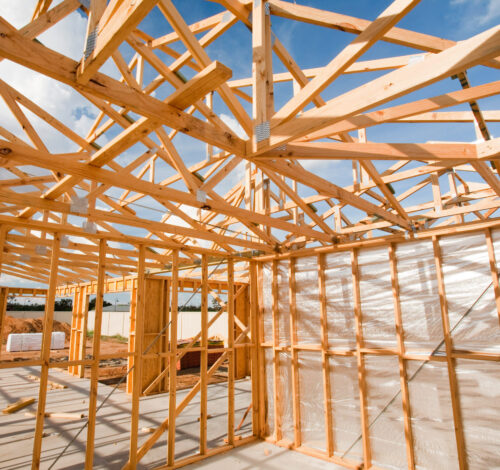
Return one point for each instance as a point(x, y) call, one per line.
point(358, 278)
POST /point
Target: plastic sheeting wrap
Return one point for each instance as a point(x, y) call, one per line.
point(312, 406)
point(307, 300)
point(267, 301)
point(283, 303)
point(345, 404)
point(479, 386)
point(339, 303)
point(268, 359)
point(285, 394)
point(419, 295)
point(471, 300)
point(432, 416)
point(377, 304)
point(385, 415)
point(474, 326)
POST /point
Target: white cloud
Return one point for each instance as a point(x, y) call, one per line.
point(234, 125)
point(11, 281)
point(61, 101)
point(16, 16)
point(478, 12)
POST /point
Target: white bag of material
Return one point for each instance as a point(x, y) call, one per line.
point(58, 338)
point(14, 342)
point(33, 341)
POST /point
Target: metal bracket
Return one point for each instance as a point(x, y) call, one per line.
point(263, 131)
point(89, 227)
point(91, 42)
point(201, 196)
point(64, 241)
point(79, 205)
point(41, 250)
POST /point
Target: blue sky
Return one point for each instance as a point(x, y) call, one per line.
point(309, 45)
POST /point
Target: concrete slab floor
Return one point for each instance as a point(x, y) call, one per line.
point(113, 427)
point(265, 456)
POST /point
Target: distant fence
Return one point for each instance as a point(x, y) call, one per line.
point(118, 323)
point(113, 323)
point(59, 316)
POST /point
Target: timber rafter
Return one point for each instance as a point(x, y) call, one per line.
point(267, 178)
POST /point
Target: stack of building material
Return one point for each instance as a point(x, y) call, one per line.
point(33, 341)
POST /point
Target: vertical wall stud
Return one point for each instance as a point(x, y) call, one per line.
point(48, 320)
point(231, 355)
point(263, 414)
point(324, 356)
point(204, 355)
point(455, 403)
point(410, 452)
point(295, 356)
point(96, 352)
point(138, 348)
point(493, 269)
point(74, 322)
point(132, 335)
point(83, 345)
point(276, 366)
point(4, 293)
point(255, 364)
point(4, 296)
point(173, 359)
point(360, 358)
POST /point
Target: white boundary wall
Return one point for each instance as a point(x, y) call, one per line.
point(59, 316)
point(118, 323)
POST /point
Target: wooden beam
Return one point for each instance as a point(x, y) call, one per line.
point(452, 379)
point(380, 26)
point(96, 352)
point(210, 78)
point(48, 320)
point(325, 360)
point(277, 380)
point(261, 70)
point(363, 397)
point(174, 285)
point(33, 55)
point(178, 24)
point(350, 24)
point(138, 361)
point(408, 110)
point(391, 86)
point(256, 365)
point(403, 375)
point(295, 379)
point(4, 296)
point(27, 154)
point(289, 169)
point(373, 151)
point(204, 356)
point(493, 269)
point(108, 36)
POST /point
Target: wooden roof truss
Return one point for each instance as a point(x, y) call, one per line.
point(275, 202)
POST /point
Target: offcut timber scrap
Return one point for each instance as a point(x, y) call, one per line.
point(73, 416)
point(18, 405)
